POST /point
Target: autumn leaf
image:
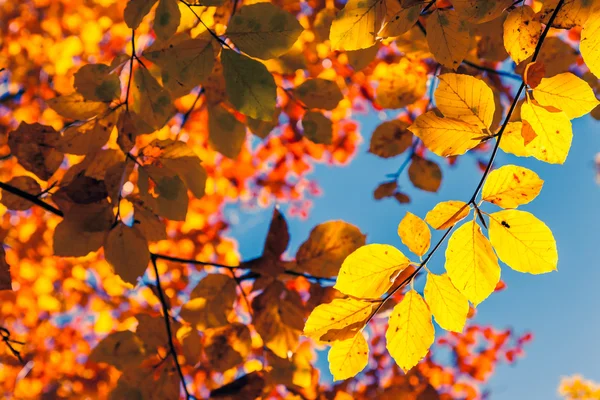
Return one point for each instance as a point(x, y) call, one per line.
point(590, 42)
point(424, 174)
point(227, 346)
point(319, 93)
point(370, 270)
point(136, 10)
point(126, 249)
point(447, 213)
point(5, 278)
point(449, 38)
point(390, 139)
point(410, 332)
point(263, 30)
point(339, 320)
point(249, 86)
point(152, 102)
point(479, 11)
point(75, 106)
point(523, 242)
point(25, 183)
point(120, 349)
point(95, 82)
point(34, 145)
point(348, 357)
point(356, 25)
point(465, 98)
point(168, 197)
point(211, 301)
point(566, 92)
point(414, 233)
point(471, 263)
point(511, 186)
point(399, 19)
point(226, 134)
point(521, 33)
point(167, 18)
point(317, 127)
point(448, 306)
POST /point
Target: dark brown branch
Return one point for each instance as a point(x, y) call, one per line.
point(5, 333)
point(165, 309)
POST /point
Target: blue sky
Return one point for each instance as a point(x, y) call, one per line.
point(559, 308)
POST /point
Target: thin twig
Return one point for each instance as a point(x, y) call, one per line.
point(133, 56)
point(165, 309)
point(5, 333)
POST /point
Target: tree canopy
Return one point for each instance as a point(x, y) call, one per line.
point(128, 126)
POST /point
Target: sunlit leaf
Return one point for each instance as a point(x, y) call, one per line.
point(521, 33)
point(25, 183)
point(370, 270)
point(121, 349)
point(126, 249)
point(151, 102)
point(523, 242)
point(479, 11)
point(356, 25)
point(34, 145)
point(348, 357)
point(510, 186)
point(94, 82)
point(414, 233)
point(447, 304)
point(449, 38)
point(471, 263)
point(566, 92)
point(410, 332)
point(447, 213)
point(75, 106)
point(400, 19)
point(226, 134)
point(210, 302)
point(339, 320)
point(390, 139)
point(166, 19)
point(136, 10)
point(590, 43)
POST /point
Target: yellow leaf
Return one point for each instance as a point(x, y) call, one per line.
point(471, 263)
point(250, 87)
point(329, 243)
point(449, 38)
point(317, 127)
point(410, 332)
point(356, 25)
point(566, 92)
point(263, 30)
point(151, 102)
point(572, 13)
point(370, 270)
point(95, 83)
point(166, 19)
point(263, 128)
point(446, 136)
point(523, 242)
point(511, 185)
point(171, 199)
point(339, 320)
point(390, 139)
point(136, 10)
point(147, 222)
point(512, 140)
point(126, 249)
point(447, 213)
point(122, 349)
point(465, 98)
point(424, 174)
point(447, 304)
point(553, 130)
point(15, 202)
point(319, 93)
point(480, 11)
point(590, 43)
point(225, 133)
point(75, 106)
point(227, 346)
point(400, 19)
point(415, 234)
point(521, 33)
point(348, 357)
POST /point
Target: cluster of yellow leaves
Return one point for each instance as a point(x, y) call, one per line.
point(578, 388)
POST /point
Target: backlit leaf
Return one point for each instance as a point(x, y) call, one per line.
point(169, 196)
point(447, 304)
point(479, 11)
point(447, 213)
point(512, 140)
point(523, 242)
point(521, 33)
point(15, 202)
point(356, 25)
point(566, 92)
point(348, 357)
point(263, 30)
point(465, 98)
point(210, 302)
point(136, 10)
point(590, 43)
point(34, 145)
point(399, 19)
point(449, 38)
point(122, 349)
point(339, 320)
point(88, 137)
point(410, 332)
point(553, 130)
point(446, 136)
point(414, 233)
point(510, 186)
point(471, 263)
point(329, 243)
point(370, 270)
point(126, 249)
point(227, 346)
point(151, 102)
point(75, 106)
point(95, 83)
